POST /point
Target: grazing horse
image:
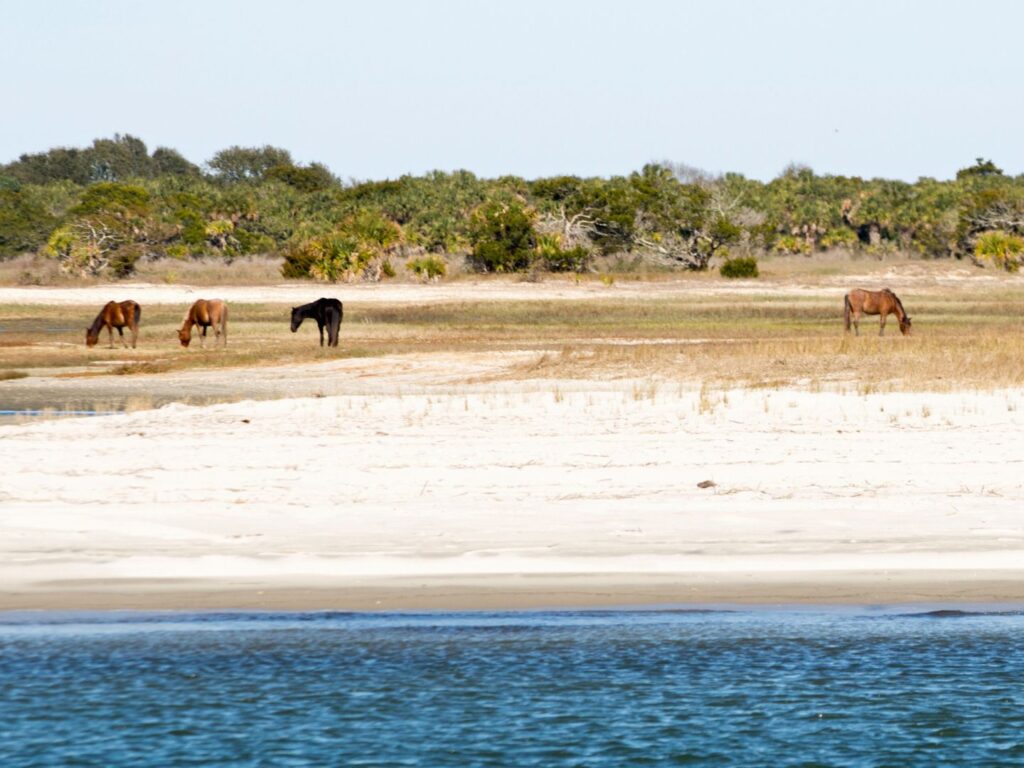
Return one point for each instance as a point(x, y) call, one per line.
point(115, 315)
point(882, 303)
point(326, 312)
point(204, 313)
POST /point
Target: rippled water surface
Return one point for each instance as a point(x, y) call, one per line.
point(548, 689)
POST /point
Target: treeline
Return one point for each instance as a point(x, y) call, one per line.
point(103, 208)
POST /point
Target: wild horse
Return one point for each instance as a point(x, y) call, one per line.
point(883, 303)
point(205, 313)
point(326, 312)
point(115, 315)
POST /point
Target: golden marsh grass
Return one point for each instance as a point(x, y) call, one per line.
point(962, 338)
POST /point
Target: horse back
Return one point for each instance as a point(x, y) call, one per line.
point(128, 313)
point(207, 311)
point(325, 308)
point(870, 302)
point(217, 311)
point(114, 314)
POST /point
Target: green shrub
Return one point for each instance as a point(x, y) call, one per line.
point(839, 238)
point(360, 247)
point(791, 244)
point(502, 236)
point(741, 266)
point(298, 260)
point(572, 260)
point(1001, 249)
point(554, 258)
point(254, 242)
point(427, 267)
point(24, 223)
point(192, 227)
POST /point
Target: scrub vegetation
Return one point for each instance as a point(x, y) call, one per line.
point(115, 209)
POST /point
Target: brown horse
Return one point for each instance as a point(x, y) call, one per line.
point(115, 315)
point(882, 303)
point(204, 313)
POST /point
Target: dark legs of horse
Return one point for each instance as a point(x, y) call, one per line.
point(320, 325)
point(333, 326)
point(120, 332)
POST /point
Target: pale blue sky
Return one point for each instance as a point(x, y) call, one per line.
point(589, 87)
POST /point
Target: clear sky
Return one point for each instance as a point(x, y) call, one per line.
point(378, 88)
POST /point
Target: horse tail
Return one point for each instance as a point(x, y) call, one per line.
point(137, 314)
point(847, 309)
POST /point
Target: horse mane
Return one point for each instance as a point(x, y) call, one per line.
point(97, 324)
point(899, 303)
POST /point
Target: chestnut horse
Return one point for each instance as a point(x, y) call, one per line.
point(115, 315)
point(882, 303)
point(204, 313)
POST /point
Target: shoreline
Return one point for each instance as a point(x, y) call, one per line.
point(518, 499)
point(641, 591)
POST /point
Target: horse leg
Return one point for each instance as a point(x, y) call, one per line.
point(856, 323)
point(881, 324)
point(320, 325)
point(120, 332)
point(110, 337)
point(335, 327)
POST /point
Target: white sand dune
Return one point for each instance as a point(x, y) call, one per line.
point(519, 494)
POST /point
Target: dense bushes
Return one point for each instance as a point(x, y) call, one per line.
point(359, 248)
point(427, 267)
point(502, 235)
point(741, 266)
point(1000, 249)
point(100, 209)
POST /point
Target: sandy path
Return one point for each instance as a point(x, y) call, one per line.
point(553, 289)
point(519, 494)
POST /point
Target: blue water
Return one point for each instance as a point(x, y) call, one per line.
point(772, 688)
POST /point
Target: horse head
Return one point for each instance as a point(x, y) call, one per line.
point(296, 318)
point(905, 325)
point(91, 337)
point(185, 336)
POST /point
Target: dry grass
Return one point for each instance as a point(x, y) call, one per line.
point(967, 337)
point(990, 359)
point(247, 270)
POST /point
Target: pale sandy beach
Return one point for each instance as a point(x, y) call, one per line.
point(413, 487)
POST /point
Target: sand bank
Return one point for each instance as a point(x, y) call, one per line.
point(519, 495)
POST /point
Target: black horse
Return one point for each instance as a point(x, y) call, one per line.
point(326, 312)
